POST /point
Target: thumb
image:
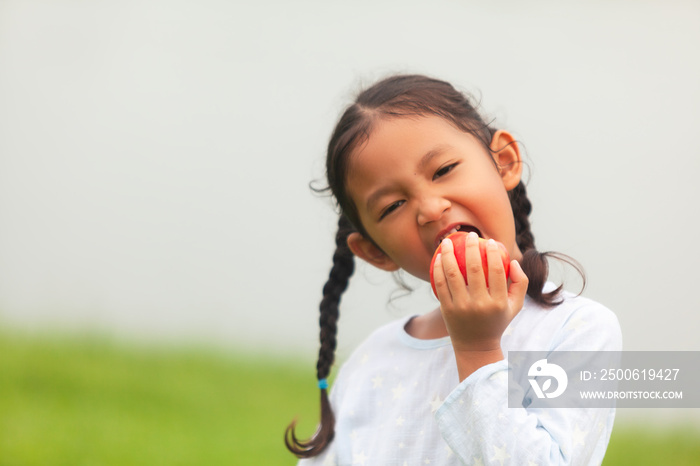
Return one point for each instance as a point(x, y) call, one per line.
point(518, 285)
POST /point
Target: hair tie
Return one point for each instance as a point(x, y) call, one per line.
point(323, 384)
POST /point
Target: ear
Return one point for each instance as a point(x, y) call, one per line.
point(369, 252)
point(506, 153)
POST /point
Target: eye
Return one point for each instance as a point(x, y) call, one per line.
point(390, 208)
point(444, 170)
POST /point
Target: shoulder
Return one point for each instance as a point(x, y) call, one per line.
point(588, 324)
point(576, 305)
point(382, 340)
point(368, 358)
point(388, 335)
point(577, 322)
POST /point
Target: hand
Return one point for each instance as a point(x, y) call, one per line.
point(477, 315)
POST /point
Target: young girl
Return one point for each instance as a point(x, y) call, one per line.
point(410, 162)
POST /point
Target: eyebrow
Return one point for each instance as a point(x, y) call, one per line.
point(422, 164)
point(431, 154)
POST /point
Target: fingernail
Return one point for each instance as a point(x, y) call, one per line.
point(491, 244)
point(447, 243)
point(472, 237)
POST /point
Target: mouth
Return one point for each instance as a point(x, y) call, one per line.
point(454, 229)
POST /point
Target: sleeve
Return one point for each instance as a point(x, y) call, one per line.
point(481, 429)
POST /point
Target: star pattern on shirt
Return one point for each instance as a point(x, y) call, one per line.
point(360, 458)
point(579, 435)
point(377, 382)
point(576, 323)
point(500, 454)
point(564, 449)
point(435, 403)
point(478, 461)
point(398, 391)
point(516, 359)
point(399, 421)
point(449, 451)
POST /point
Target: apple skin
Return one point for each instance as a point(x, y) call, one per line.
point(458, 238)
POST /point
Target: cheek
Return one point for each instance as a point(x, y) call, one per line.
point(390, 244)
point(496, 212)
point(491, 201)
point(404, 252)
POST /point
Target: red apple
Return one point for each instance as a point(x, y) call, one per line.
point(458, 239)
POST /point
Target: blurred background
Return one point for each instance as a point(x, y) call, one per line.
point(155, 161)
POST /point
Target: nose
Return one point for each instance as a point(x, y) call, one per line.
point(431, 209)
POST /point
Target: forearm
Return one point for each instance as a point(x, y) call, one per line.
point(479, 426)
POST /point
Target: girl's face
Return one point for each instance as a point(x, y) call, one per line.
point(415, 180)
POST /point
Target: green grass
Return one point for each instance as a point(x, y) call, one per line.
point(82, 402)
point(634, 445)
point(90, 402)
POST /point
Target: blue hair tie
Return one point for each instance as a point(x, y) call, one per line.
point(323, 384)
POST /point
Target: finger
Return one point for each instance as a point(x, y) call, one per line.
point(450, 267)
point(441, 288)
point(518, 286)
point(472, 259)
point(498, 285)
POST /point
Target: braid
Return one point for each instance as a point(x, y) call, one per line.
point(521, 212)
point(534, 263)
point(343, 267)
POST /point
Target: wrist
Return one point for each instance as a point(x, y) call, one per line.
point(470, 360)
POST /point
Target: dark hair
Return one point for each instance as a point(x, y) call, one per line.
point(395, 97)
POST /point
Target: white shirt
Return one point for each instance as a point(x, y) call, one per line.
point(398, 400)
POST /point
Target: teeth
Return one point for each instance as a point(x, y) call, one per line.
point(464, 228)
point(453, 230)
